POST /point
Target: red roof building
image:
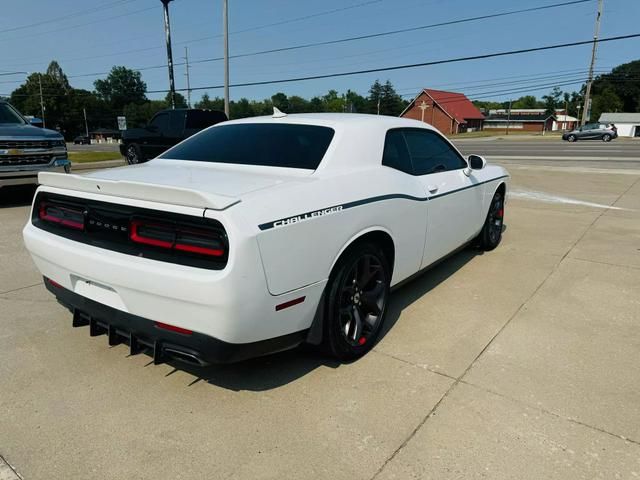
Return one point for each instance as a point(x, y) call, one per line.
point(449, 112)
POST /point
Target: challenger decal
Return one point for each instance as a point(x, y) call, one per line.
point(307, 216)
point(283, 222)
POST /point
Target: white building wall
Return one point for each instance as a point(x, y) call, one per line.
point(627, 129)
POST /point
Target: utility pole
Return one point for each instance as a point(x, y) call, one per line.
point(509, 116)
point(587, 96)
point(167, 36)
point(86, 125)
point(186, 61)
point(44, 125)
point(225, 28)
point(378, 104)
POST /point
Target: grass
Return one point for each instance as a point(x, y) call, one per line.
point(85, 157)
point(500, 133)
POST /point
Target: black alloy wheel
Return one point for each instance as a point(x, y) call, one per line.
point(357, 301)
point(491, 233)
point(133, 154)
point(572, 138)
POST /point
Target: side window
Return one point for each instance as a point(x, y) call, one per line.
point(161, 121)
point(176, 122)
point(430, 153)
point(395, 153)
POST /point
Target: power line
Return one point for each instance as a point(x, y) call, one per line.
point(415, 65)
point(93, 22)
point(395, 32)
point(250, 29)
point(65, 17)
point(326, 42)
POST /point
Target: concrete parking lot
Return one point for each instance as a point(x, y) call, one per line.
point(516, 363)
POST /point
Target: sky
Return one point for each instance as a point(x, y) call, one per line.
point(88, 37)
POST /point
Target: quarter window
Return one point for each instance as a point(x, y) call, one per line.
point(395, 153)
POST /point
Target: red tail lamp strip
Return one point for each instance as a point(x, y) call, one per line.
point(202, 250)
point(173, 328)
point(290, 303)
point(181, 246)
point(136, 237)
point(44, 214)
point(54, 283)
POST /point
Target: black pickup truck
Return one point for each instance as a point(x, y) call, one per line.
point(166, 128)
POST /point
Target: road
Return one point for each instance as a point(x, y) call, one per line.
point(516, 363)
point(621, 153)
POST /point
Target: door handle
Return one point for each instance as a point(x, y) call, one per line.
point(432, 188)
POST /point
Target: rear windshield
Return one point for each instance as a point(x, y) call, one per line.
point(267, 144)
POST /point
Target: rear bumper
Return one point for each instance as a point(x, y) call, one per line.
point(142, 334)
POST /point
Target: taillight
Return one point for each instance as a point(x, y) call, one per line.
point(177, 237)
point(61, 215)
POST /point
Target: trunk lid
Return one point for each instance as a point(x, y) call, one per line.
point(192, 184)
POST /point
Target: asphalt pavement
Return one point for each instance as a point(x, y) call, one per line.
point(516, 363)
point(620, 153)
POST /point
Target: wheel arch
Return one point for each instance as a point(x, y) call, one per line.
point(377, 235)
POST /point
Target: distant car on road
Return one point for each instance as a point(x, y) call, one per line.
point(82, 140)
point(26, 149)
point(256, 235)
point(591, 131)
point(166, 129)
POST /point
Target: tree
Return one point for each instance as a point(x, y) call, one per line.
point(122, 87)
point(391, 103)
point(355, 103)
point(280, 101)
point(623, 82)
point(207, 103)
point(63, 105)
point(375, 97)
point(552, 101)
point(528, 101)
point(181, 102)
point(606, 101)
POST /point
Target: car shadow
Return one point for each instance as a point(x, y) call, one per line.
point(16, 196)
point(426, 281)
point(279, 369)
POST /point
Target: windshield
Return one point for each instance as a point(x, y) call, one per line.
point(266, 144)
point(9, 115)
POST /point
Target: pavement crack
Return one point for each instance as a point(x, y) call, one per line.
point(549, 412)
point(459, 379)
point(417, 365)
point(21, 288)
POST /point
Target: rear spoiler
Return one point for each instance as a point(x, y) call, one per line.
point(138, 190)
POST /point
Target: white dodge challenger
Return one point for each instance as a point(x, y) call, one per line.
point(260, 234)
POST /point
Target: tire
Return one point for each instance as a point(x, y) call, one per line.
point(356, 303)
point(606, 137)
point(133, 155)
point(572, 138)
point(491, 233)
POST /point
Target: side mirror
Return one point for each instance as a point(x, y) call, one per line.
point(36, 122)
point(476, 162)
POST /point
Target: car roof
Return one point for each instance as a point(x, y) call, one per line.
point(336, 120)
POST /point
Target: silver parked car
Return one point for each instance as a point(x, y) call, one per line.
point(591, 131)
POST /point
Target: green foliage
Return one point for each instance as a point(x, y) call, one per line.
point(528, 101)
point(121, 87)
point(617, 91)
point(552, 101)
point(606, 101)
